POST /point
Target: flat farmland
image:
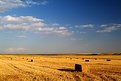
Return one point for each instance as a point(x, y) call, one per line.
point(60, 68)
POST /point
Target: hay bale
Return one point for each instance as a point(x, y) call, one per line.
point(95, 58)
point(82, 58)
point(78, 67)
point(86, 60)
point(108, 60)
point(31, 60)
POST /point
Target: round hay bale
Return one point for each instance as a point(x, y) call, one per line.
point(31, 60)
point(108, 60)
point(95, 58)
point(86, 60)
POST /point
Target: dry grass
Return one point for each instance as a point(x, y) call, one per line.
point(59, 68)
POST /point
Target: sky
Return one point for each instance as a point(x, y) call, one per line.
point(60, 26)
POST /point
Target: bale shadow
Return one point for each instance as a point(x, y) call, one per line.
point(66, 69)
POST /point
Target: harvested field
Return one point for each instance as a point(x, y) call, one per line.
point(59, 68)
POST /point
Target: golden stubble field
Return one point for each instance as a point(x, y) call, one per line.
point(59, 68)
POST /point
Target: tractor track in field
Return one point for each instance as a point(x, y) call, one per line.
point(17, 69)
point(32, 74)
point(105, 77)
point(20, 71)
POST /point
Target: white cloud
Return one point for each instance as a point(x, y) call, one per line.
point(30, 23)
point(20, 23)
point(104, 25)
point(44, 2)
point(32, 2)
point(20, 19)
point(85, 26)
point(10, 4)
point(9, 50)
point(110, 28)
point(56, 31)
point(62, 28)
point(55, 24)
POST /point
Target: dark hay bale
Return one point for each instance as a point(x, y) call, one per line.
point(86, 60)
point(31, 60)
point(82, 58)
point(95, 58)
point(78, 67)
point(26, 59)
point(108, 60)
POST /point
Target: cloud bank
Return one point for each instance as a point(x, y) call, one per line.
point(109, 28)
point(88, 26)
point(10, 4)
point(11, 50)
point(30, 23)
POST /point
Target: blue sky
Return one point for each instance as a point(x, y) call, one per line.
point(60, 26)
